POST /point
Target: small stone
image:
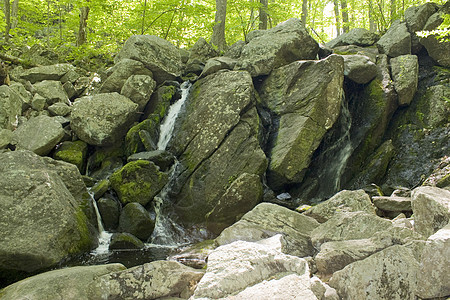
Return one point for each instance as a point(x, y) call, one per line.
point(59, 109)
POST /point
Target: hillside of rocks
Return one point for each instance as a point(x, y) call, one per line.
point(293, 169)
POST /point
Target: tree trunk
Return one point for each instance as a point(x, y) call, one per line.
point(304, 12)
point(393, 10)
point(14, 14)
point(263, 14)
point(218, 36)
point(336, 14)
point(372, 25)
point(7, 8)
point(345, 24)
point(82, 37)
point(143, 17)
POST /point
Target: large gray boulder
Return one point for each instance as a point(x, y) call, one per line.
point(396, 41)
point(139, 88)
point(306, 109)
point(416, 17)
point(357, 36)
point(120, 72)
point(232, 268)
point(287, 42)
point(52, 91)
point(52, 72)
point(437, 49)
point(36, 236)
point(153, 280)
point(359, 68)
point(157, 54)
point(103, 119)
point(431, 208)
point(268, 219)
point(388, 274)
point(434, 278)
point(68, 284)
point(39, 134)
point(10, 108)
point(392, 204)
point(405, 73)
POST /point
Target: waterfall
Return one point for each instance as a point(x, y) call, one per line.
point(104, 237)
point(168, 124)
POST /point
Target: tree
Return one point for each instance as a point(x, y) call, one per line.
point(344, 11)
point(218, 36)
point(84, 14)
point(7, 10)
point(304, 11)
point(263, 14)
point(336, 14)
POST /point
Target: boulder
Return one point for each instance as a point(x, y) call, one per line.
point(392, 204)
point(198, 55)
point(433, 277)
point(139, 88)
point(388, 274)
point(59, 109)
point(68, 283)
point(138, 181)
point(38, 102)
point(109, 209)
point(99, 188)
point(348, 226)
point(25, 95)
point(357, 36)
point(10, 108)
point(157, 54)
point(370, 52)
point(232, 268)
point(163, 159)
point(6, 137)
point(135, 219)
point(305, 109)
point(405, 74)
point(417, 16)
point(437, 49)
point(431, 208)
point(125, 241)
point(243, 194)
point(53, 72)
point(322, 290)
point(39, 134)
point(440, 176)
point(268, 219)
point(396, 41)
point(36, 236)
point(103, 119)
point(270, 49)
point(74, 153)
point(52, 91)
point(143, 136)
point(215, 64)
point(153, 280)
point(344, 201)
point(359, 68)
point(120, 72)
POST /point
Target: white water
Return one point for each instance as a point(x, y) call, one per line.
point(104, 237)
point(168, 124)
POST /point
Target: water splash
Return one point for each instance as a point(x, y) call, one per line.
point(104, 237)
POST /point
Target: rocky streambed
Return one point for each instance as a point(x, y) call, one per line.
point(293, 170)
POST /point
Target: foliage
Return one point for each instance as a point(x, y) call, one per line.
point(442, 33)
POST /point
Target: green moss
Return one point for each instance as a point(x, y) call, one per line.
point(444, 181)
point(133, 142)
point(74, 153)
point(85, 242)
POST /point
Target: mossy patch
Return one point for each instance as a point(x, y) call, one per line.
point(133, 141)
point(74, 153)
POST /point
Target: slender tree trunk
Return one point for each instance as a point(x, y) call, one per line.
point(82, 36)
point(304, 12)
point(393, 10)
point(263, 14)
point(345, 23)
point(336, 14)
point(143, 17)
point(14, 14)
point(372, 25)
point(7, 8)
point(218, 36)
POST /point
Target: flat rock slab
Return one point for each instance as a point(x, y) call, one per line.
point(395, 204)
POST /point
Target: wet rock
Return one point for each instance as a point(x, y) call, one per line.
point(405, 73)
point(394, 204)
point(357, 36)
point(67, 283)
point(266, 220)
point(153, 280)
point(51, 72)
point(109, 209)
point(124, 241)
point(74, 153)
point(138, 181)
point(10, 108)
point(163, 159)
point(396, 41)
point(243, 194)
point(232, 268)
point(359, 68)
point(135, 219)
point(388, 274)
point(120, 72)
point(143, 136)
point(157, 55)
point(100, 188)
point(39, 134)
point(195, 256)
point(102, 119)
point(306, 109)
point(433, 277)
point(52, 91)
point(344, 201)
point(431, 207)
point(139, 88)
point(36, 236)
point(276, 47)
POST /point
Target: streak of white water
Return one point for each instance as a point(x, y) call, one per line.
point(168, 124)
point(104, 236)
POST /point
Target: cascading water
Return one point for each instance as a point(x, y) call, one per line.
point(104, 237)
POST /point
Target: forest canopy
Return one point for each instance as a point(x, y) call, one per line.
point(87, 28)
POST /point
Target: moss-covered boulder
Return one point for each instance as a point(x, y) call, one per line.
point(143, 136)
point(121, 241)
point(109, 209)
point(138, 181)
point(135, 219)
point(74, 153)
point(41, 213)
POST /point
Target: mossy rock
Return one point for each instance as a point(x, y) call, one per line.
point(138, 181)
point(120, 241)
point(74, 153)
point(136, 141)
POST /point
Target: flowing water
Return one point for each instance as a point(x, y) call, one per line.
point(104, 237)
